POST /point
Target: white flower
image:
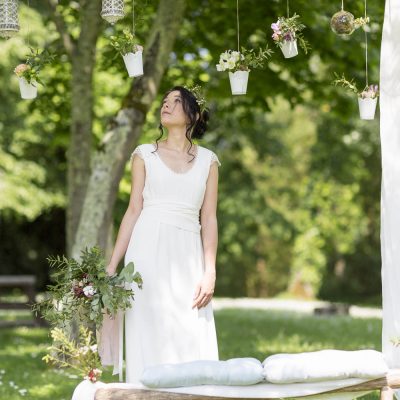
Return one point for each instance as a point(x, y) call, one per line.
point(231, 64)
point(220, 68)
point(89, 291)
point(235, 56)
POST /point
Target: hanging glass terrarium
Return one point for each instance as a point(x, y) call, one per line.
point(342, 23)
point(112, 10)
point(9, 25)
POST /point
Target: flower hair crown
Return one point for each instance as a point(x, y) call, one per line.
point(197, 91)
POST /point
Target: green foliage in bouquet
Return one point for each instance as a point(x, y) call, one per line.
point(126, 43)
point(83, 290)
point(80, 355)
point(35, 62)
point(371, 91)
point(288, 29)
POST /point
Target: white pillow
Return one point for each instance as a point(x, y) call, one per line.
point(237, 371)
point(324, 365)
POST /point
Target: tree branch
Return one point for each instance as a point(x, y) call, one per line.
point(61, 26)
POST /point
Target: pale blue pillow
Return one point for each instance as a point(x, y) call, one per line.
point(237, 371)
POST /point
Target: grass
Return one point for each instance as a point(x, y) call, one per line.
point(255, 333)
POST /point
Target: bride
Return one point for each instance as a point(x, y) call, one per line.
point(170, 232)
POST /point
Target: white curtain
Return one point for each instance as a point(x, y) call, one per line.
point(390, 200)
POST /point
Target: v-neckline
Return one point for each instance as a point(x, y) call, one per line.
point(169, 168)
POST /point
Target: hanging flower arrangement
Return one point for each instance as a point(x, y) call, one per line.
point(367, 98)
point(28, 73)
point(132, 52)
point(287, 32)
point(239, 64)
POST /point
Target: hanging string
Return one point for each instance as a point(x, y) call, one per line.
point(287, 8)
point(366, 44)
point(342, 5)
point(28, 26)
point(133, 17)
point(237, 22)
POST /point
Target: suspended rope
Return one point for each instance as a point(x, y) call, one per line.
point(342, 5)
point(366, 44)
point(287, 8)
point(133, 17)
point(28, 26)
point(237, 22)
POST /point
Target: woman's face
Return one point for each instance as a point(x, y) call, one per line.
point(172, 113)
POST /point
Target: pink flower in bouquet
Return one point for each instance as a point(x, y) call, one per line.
point(275, 36)
point(77, 290)
point(138, 47)
point(93, 375)
point(20, 69)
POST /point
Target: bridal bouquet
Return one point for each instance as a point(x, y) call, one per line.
point(82, 290)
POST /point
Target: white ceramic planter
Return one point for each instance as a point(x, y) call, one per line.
point(28, 90)
point(289, 48)
point(367, 108)
point(134, 63)
point(239, 81)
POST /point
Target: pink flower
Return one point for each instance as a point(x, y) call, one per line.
point(93, 375)
point(20, 69)
point(275, 36)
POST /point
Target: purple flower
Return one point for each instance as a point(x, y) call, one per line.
point(275, 26)
point(288, 36)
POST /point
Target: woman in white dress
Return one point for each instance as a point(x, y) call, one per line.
point(170, 233)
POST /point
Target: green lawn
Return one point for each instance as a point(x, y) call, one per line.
point(256, 333)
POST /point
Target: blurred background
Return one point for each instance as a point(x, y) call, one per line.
point(299, 187)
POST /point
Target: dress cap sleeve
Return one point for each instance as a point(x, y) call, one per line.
point(214, 158)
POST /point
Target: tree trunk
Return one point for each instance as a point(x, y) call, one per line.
point(83, 57)
point(109, 162)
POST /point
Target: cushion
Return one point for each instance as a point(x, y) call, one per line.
point(324, 365)
point(237, 371)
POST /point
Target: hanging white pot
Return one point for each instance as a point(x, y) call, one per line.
point(367, 107)
point(239, 81)
point(28, 90)
point(289, 48)
point(134, 63)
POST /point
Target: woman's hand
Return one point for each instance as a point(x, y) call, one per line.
point(204, 290)
point(110, 270)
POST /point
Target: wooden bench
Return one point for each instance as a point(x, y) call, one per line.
point(27, 284)
point(385, 385)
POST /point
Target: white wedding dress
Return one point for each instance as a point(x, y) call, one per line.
point(166, 248)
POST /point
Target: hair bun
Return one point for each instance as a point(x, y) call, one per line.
point(201, 124)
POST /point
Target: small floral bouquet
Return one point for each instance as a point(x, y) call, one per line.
point(286, 33)
point(131, 51)
point(239, 65)
point(80, 355)
point(83, 290)
point(367, 98)
point(29, 72)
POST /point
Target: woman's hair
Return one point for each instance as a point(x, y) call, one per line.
point(195, 129)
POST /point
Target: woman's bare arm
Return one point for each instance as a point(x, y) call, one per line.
point(131, 215)
point(209, 233)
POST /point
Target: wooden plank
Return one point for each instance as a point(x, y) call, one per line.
point(140, 394)
point(15, 306)
point(17, 280)
point(391, 380)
